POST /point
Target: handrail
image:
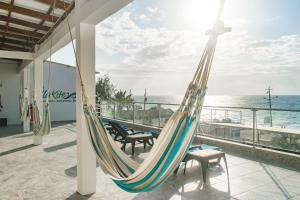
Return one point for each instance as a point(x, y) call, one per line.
point(214, 122)
point(254, 108)
point(210, 106)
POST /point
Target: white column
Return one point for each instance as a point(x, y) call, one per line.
point(38, 90)
point(26, 89)
point(86, 160)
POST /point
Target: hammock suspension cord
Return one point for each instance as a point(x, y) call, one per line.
point(23, 99)
point(174, 140)
point(44, 127)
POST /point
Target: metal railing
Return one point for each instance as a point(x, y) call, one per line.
point(241, 124)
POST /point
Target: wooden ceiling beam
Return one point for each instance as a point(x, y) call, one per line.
point(58, 4)
point(28, 12)
point(67, 11)
point(9, 13)
point(19, 61)
point(8, 18)
point(20, 37)
point(43, 21)
point(17, 42)
point(24, 23)
point(20, 31)
point(13, 48)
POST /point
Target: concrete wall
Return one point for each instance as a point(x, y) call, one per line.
point(9, 91)
point(282, 159)
point(62, 91)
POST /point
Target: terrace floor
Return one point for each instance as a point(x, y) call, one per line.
point(48, 171)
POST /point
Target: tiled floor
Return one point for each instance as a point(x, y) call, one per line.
point(48, 171)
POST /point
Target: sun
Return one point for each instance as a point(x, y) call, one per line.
point(200, 13)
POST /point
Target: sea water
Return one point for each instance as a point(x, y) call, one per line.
point(283, 119)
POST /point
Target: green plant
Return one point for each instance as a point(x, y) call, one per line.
point(104, 89)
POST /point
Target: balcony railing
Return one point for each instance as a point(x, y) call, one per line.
point(241, 124)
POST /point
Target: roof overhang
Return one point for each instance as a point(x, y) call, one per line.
point(57, 36)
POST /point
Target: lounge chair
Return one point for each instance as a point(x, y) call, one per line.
point(113, 129)
point(130, 136)
point(130, 131)
point(155, 133)
point(120, 131)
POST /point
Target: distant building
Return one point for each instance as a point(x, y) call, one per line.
point(62, 91)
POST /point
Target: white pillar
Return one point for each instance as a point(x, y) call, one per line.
point(26, 89)
point(86, 160)
point(38, 90)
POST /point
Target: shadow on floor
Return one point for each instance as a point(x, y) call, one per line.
point(276, 181)
point(62, 123)
point(72, 171)
point(16, 150)
point(188, 186)
point(24, 135)
point(139, 149)
point(77, 196)
point(11, 130)
point(60, 146)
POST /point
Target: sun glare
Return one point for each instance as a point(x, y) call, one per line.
point(200, 13)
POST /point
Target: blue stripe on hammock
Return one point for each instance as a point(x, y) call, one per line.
point(170, 158)
point(186, 151)
point(98, 139)
point(128, 187)
point(128, 167)
point(157, 165)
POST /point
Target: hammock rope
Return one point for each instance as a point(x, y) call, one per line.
point(41, 128)
point(174, 140)
point(23, 99)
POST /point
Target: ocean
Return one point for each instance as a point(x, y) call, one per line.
point(283, 119)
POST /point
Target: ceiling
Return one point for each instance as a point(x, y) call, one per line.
point(25, 23)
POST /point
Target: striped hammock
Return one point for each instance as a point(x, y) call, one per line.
point(41, 129)
point(173, 142)
point(24, 108)
point(21, 106)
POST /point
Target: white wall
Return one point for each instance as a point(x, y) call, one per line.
point(62, 91)
point(9, 91)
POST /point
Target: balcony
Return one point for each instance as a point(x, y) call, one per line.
point(259, 167)
point(249, 126)
point(49, 172)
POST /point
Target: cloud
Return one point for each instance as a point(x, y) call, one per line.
point(153, 54)
point(152, 10)
point(144, 19)
point(145, 47)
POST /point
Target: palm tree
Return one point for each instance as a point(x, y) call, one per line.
point(123, 97)
point(124, 100)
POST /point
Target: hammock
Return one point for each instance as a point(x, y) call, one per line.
point(44, 127)
point(24, 110)
point(1, 106)
point(170, 147)
point(173, 141)
point(20, 105)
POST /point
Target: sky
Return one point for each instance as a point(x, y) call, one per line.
point(157, 45)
